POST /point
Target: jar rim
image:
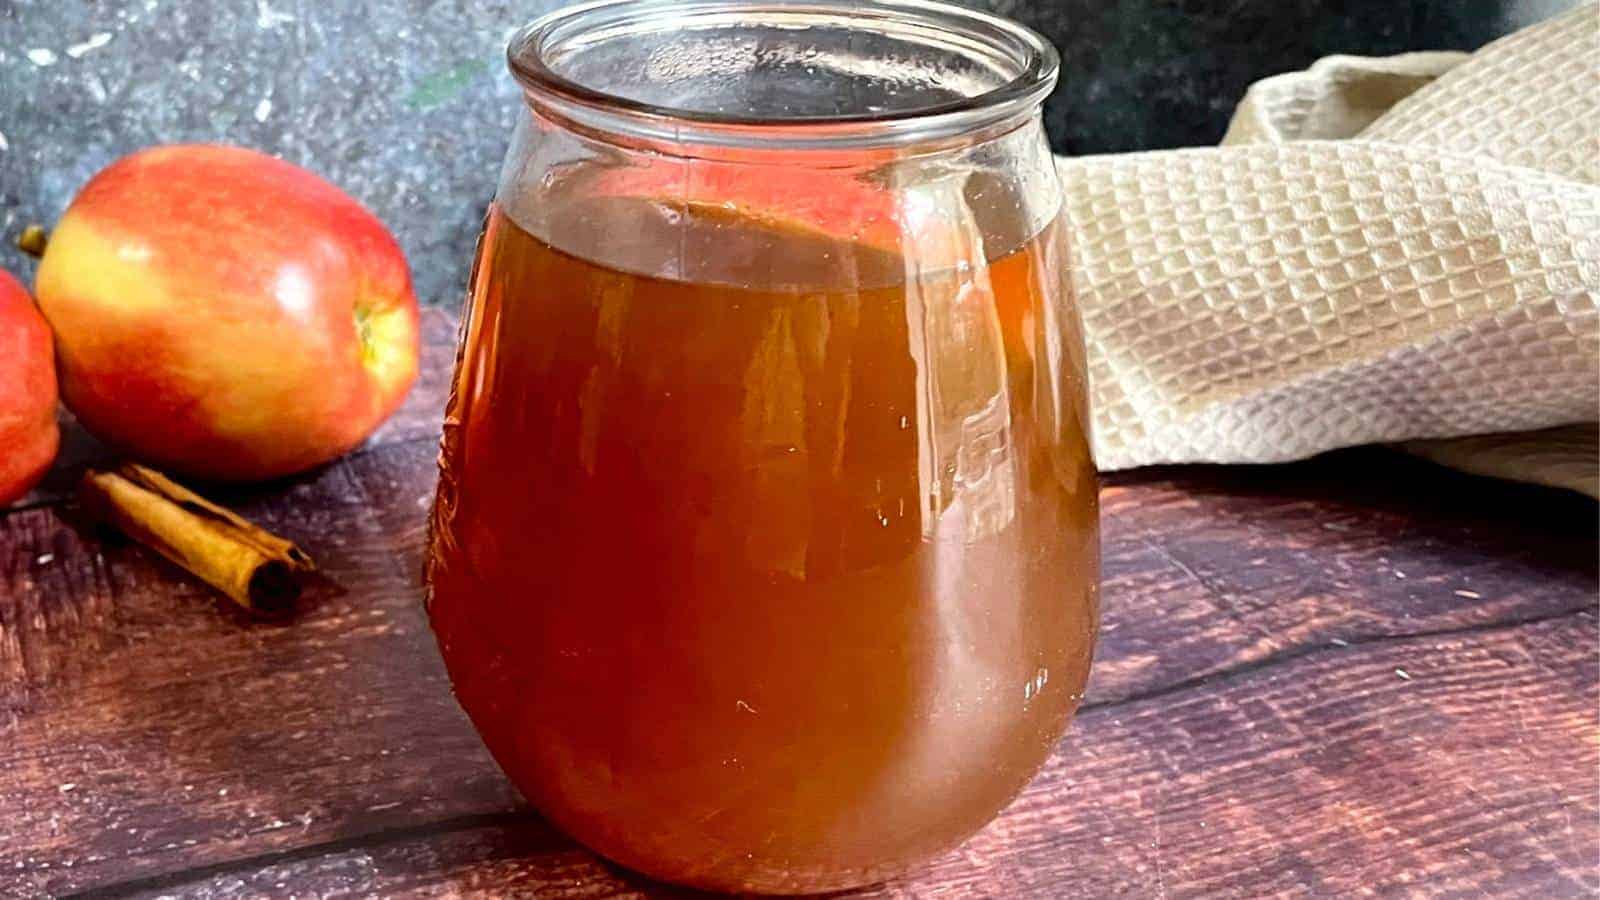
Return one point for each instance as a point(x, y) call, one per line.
point(1033, 62)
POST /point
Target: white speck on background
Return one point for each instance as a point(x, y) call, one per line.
point(95, 42)
point(268, 18)
point(264, 109)
point(4, 144)
point(1470, 595)
point(44, 559)
point(42, 56)
point(67, 787)
point(96, 88)
point(1404, 675)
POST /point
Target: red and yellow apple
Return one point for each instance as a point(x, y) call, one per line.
point(227, 315)
point(28, 432)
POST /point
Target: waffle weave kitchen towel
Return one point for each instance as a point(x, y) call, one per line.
point(1383, 250)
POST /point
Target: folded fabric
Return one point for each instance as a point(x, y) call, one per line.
point(1383, 250)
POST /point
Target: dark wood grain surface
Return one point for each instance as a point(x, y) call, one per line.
point(1357, 674)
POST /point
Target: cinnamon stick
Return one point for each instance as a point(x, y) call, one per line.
point(254, 567)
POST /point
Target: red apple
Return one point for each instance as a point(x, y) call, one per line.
point(227, 315)
point(28, 432)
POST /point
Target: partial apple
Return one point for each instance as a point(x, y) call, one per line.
point(28, 432)
point(227, 315)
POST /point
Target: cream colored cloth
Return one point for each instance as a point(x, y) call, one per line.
point(1383, 250)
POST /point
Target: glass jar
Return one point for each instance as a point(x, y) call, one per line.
point(765, 551)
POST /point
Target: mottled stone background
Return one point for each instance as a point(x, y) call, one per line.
point(405, 103)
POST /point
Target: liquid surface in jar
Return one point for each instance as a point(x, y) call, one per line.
point(778, 573)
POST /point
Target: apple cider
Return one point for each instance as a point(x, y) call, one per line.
point(765, 549)
point(771, 566)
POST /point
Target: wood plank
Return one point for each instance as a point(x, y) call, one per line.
point(192, 736)
point(1209, 568)
point(1459, 764)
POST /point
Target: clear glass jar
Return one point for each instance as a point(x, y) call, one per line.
point(765, 553)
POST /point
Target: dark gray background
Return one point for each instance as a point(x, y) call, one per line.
point(405, 104)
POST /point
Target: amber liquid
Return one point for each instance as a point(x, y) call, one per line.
point(779, 578)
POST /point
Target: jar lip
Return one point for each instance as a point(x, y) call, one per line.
point(1034, 59)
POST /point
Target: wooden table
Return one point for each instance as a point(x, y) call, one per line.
point(1356, 674)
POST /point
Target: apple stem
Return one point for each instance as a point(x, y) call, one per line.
point(33, 240)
